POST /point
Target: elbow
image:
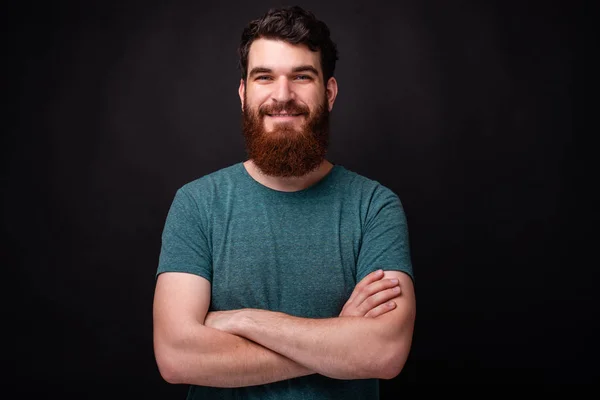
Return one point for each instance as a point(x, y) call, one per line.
point(393, 361)
point(391, 370)
point(168, 364)
point(169, 373)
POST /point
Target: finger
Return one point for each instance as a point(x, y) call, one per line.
point(367, 280)
point(374, 288)
point(381, 309)
point(378, 299)
point(343, 309)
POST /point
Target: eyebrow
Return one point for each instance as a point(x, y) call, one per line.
point(259, 70)
point(306, 68)
point(302, 68)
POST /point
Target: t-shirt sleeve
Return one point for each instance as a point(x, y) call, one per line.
point(385, 242)
point(184, 245)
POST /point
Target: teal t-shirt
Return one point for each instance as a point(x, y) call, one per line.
point(301, 253)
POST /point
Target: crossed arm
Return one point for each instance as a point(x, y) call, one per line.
point(248, 347)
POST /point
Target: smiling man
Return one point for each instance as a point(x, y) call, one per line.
point(284, 276)
point(286, 107)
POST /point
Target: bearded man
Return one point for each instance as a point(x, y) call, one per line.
point(284, 276)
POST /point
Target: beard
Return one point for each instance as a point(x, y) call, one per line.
point(286, 151)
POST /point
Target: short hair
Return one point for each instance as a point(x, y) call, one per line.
point(295, 26)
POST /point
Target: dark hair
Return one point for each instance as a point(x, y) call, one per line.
point(293, 25)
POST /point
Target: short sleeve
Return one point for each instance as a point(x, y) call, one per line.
point(385, 241)
point(184, 245)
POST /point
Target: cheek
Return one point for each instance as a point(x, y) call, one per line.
point(316, 102)
point(258, 93)
point(255, 102)
point(314, 97)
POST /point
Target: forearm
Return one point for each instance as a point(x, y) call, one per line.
point(341, 348)
point(210, 357)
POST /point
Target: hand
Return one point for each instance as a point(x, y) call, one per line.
point(221, 320)
point(371, 296)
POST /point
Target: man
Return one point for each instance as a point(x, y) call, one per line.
point(285, 276)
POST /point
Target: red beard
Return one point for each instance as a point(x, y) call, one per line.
point(286, 151)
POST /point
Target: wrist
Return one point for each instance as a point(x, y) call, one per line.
point(239, 321)
point(248, 321)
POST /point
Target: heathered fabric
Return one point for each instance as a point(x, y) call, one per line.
point(300, 253)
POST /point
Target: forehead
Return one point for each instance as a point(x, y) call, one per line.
point(281, 55)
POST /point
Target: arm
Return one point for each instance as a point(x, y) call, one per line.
point(347, 347)
point(186, 350)
point(189, 352)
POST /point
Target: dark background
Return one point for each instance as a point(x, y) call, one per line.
point(463, 108)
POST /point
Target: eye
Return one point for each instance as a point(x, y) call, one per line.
point(263, 78)
point(303, 77)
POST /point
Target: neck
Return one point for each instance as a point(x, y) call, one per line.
point(291, 184)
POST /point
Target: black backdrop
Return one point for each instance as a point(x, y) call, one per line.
point(464, 109)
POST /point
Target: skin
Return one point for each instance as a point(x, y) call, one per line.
point(192, 345)
point(370, 338)
point(341, 348)
point(278, 72)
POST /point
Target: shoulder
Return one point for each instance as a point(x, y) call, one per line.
point(208, 184)
point(367, 188)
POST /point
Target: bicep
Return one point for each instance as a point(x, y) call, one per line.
point(181, 300)
point(400, 321)
point(385, 241)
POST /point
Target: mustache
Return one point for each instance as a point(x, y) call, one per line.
point(290, 107)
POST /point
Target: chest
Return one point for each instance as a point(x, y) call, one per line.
point(301, 261)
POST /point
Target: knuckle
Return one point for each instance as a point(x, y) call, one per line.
point(381, 286)
point(376, 311)
point(384, 284)
point(383, 296)
point(389, 283)
point(379, 295)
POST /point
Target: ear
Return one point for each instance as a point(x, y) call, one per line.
point(241, 92)
point(331, 91)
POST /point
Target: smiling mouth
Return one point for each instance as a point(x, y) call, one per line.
point(284, 115)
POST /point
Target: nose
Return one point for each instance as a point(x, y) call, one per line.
point(282, 91)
